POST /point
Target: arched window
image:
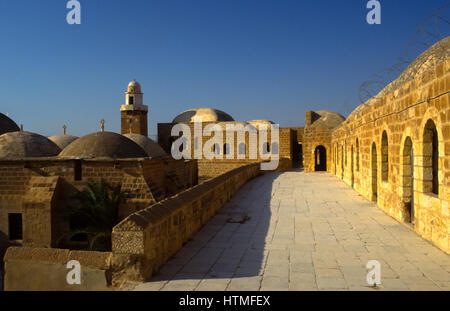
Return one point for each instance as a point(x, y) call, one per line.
point(384, 157)
point(242, 148)
point(275, 149)
point(357, 155)
point(226, 148)
point(266, 148)
point(431, 158)
point(345, 153)
point(196, 143)
point(216, 149)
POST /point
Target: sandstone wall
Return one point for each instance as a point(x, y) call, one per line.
point(40, 190)
point(156, 233)
point(402, 113)
point(312, 138)
point(45, 269)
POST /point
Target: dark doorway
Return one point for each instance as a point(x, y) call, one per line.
point(320, 156)
point(297, 158)
point(408, 179)
point(15, 226)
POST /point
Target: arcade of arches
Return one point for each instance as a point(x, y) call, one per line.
point(395, 148)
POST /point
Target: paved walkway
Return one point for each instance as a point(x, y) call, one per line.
point(305, 232)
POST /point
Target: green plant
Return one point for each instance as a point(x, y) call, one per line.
point(96, 214)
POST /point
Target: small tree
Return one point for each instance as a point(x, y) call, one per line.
point(97, 213)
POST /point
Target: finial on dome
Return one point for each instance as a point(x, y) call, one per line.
point(102, 124)
point(64, 129)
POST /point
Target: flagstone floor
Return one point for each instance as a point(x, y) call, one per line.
point(307, 231)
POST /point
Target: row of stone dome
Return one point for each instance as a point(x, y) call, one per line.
point(211, 115)
point(19, 145)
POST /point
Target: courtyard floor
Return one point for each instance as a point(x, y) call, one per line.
point(306, 231)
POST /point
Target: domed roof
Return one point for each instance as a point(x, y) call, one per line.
point(7, 125)
point(257, 123)
point(152, 148)
point(63, 140)
point(134, 87)
point(327, 118)
point(17, 145)
point(223, 124)
point(207, 114)
point(103, 145)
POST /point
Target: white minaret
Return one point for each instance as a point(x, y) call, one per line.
point(134, 112)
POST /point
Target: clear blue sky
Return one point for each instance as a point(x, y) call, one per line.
point(254, 59)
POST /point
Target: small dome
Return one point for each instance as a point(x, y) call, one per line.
point(257, 123)
point(152, 148)
point(134, 87)
point(327, 118)
point(207, 114)
point(17, 145)
point(7, 125)
point(63, 140)
point(103, 145)
point(224, 124)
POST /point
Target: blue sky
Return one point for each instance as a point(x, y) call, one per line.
point(254, 59)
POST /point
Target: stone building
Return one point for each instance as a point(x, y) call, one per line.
point(394, 149)
point(316, 139)
point(230, 152)
point(39, 175)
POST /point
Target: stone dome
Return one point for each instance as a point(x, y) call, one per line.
point(327, 118)
point(7, 125)
point(152, 148)
point(207, 114)
point(63, 140)
point(257, 123)
point(223, 124)
point(103, 145)
point(134, 87)
point(18, 145)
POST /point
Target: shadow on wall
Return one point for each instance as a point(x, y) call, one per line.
point(4, 244)
point(232, 243)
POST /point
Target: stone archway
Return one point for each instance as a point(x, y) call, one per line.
point(352, 168)
point(407, 178)
point(320, 159)
point(374, 173)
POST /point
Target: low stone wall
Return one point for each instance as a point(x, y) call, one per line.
point(45, 269)
point(208, 169)
point(142, 242)
point(155, 234)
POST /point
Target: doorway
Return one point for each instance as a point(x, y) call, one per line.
point(320, 156)
point(408, 180)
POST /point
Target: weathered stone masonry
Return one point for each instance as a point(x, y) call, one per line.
point(395, 149)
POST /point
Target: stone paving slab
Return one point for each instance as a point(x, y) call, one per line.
point(307, 231)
